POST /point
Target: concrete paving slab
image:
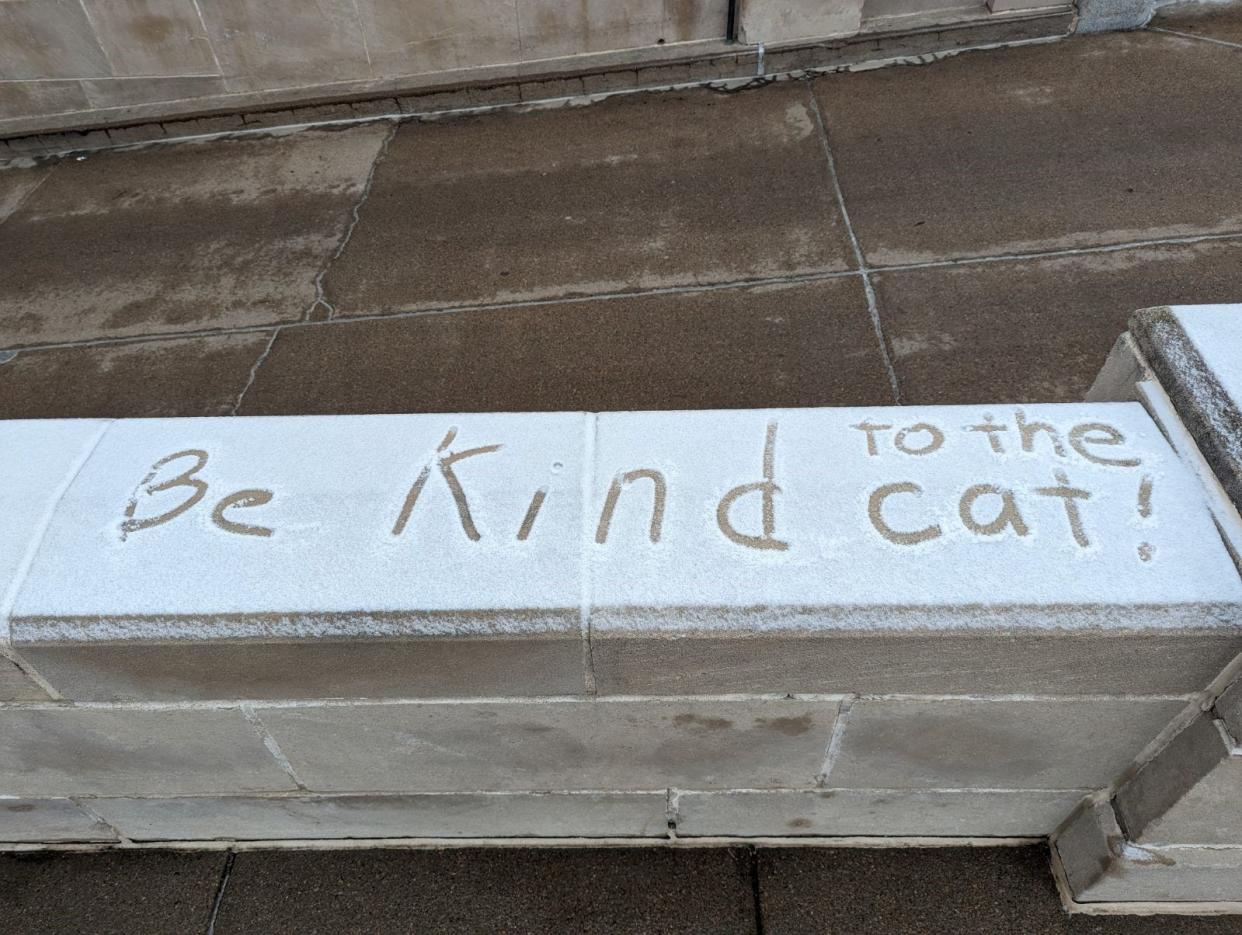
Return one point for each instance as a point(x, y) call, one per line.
point(501, 815)
point(1219, 21)
point(1040, 329)
point(1044, 147)
point(995, 744)
point(791, 345)
point(182, 238)
point(108, 894)
point(703, 892)
point(615, 745)
point(639, 192)
point(175, 377)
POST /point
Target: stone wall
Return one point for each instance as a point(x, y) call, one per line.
point(938, 621)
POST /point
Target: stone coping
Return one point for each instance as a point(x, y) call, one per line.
point(1193, 351)
point(538, 538)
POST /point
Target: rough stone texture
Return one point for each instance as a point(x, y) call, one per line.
point(1101, 866)
point(1220, 21)
point(442, 816)
point(994, 744)
point(763, 346)
point(1193, 350)
point(72, 751)
point(836, 812)
point(48, 821)
point(948, 661)
point(630, 177)
point(341, 667)
point(267, 214)
point(926, 160)
point(91, 894)
point(698, 892)
point(152, 37)
point(1109, 15)
point(1187, 793)
point(1036, 329)
point(175, 377)
point(569, 745)
point(16, 186)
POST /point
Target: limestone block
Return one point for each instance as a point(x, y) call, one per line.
point(48, 39)
point(870, 812)
point(1194, 351)
point(1123, 368)
point(593, 745)
point(1189, 793)
point(58, 751)
point(1099, 865)
point(759, 546)
point(995, 744)
point(1041, 549)
point(152, 37)
point(772, 22)
point(49, 821)
point(385, 528)
point(16, 686)
point(500, 815)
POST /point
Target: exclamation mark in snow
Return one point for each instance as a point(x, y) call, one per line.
point(1145, 549)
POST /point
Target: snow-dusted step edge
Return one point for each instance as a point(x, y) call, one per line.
point(1044, 549)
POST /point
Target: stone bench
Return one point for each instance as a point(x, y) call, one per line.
point(897, 621)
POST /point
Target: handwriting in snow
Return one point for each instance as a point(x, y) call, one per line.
point(984, 509)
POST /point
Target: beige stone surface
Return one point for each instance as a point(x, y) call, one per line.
point(598, 745)
point(586, 814)
point(318, 668)
point(772, 22)
point(274, 43)
point(872, 812)
point(49, 821)
point(123, 92)
point(48, 39)
point(551, 28)
point(180, 239)
point(15, 686)
point(51, 751)
point(995, 744)
point(152, 37)
point(40, 98)
point(405, 38)
point(1054, 662)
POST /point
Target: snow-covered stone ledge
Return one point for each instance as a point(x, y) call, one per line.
point(1037, 549)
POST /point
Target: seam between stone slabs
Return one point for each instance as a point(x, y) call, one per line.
point(289, 703)
point(1187, 35)
point(96, 817)
point(350, 227)
point(835, 739)
point(253, 719)
point(590, 438)
point(9, 599)
point(613, 296)
point(872, 306)
point(672, 811)
point(202, 21)
point(1235, 749)
point(254, 372)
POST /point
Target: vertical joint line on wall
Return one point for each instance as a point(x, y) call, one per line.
point(834, 742)
point(252, 717)
point(731, 22)
point(860, 259)
point(584, 562)
point(672, 801)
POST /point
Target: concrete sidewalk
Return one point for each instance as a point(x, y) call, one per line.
point(1006, 212)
